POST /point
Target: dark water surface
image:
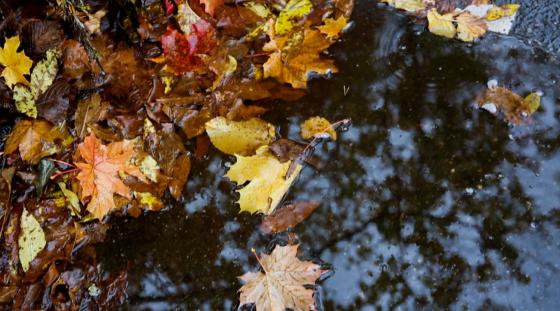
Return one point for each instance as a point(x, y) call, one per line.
point(428, 203)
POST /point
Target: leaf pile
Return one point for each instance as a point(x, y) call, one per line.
point(107, 104)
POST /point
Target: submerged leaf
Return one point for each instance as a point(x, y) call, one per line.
point(16, 64)
point(281, 286)
point(288, 216)
point(31, 239)
point(267, 181)
point(239, 137)
point(515, 108)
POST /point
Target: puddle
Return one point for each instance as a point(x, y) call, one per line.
point(427, 203)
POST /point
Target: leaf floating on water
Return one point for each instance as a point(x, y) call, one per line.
point(407, 5)
point(441, 25)
point(239, 137)
point(317, 126)
point(281, 286)
point(16, 64)
point(31, 239)
point(267, 181)
point(288, 216)
point(515, 108)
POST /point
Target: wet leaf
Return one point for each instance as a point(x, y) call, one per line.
point(281, 286)
point(150, 168)
point(288, 216)
point(470, 27)
point(498, 12)
point(46, 169)
point(16, 64)
point(292, 12)
point(34, 140)
point(89, 111)
point(317, 126)
point(99, 174)
point(72, 201)
point(148, 201)
point(294, 58)
point(441, 25)
point(407, 5)
point(333, 27)
point(5, 190)
point(44, 73)
point(186, 17)
point(25, 101)
point(515, 108)
point(239, 137)
point(267, 181)
point(31, 239)
point(179, 174)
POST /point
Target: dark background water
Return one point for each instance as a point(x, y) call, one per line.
point(427, 202)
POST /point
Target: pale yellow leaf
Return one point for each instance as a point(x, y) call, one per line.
point(441, 25)
point(25, 101)
point(73, 203)
point(31, 239)
point(239, 137)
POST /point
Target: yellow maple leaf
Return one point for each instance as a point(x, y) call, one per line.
point(282, 285)
point(294, 57)
point(333, 27)
point(441, 25)
point(239, 137)
point(16, 64)
point(99, 174)
point(267, 180)
point(470, 27)
point(294, 10)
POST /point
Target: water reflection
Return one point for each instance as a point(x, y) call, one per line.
point(427, 202)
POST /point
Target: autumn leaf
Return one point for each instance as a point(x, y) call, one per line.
point(35, 139)
point(267, 180)
point(441, 25)
point(294, 10)
point(89, 111)
point(239, 137)
point(211, 5)
point(332, 27)
point(186, 17)
point(470, 27)
point(293, 58)
point(498, 12)
point(317, 126)
point(16, 64)
point(281, 285)
point(31, 239)
point(99, 174)
point(515, 108)
point(407, 5)
point(288, 216)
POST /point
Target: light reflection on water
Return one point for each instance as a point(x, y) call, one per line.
point(427, 202)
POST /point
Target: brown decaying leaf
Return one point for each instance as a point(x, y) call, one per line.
point(34, 140)
point(515, 108)
point(89, 111)
point(288, 216)
point(281, 285)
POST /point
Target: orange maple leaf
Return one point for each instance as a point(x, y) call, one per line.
point(99, 175)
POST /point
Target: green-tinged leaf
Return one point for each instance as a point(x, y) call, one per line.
point(532, 102)
point(25, 101)
point(46, 169)
point(294, 10)
point(259, 9)
point(31, 239)
point(44, 73)
point(72, 201)
point(239, 137)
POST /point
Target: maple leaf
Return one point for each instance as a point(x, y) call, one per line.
point(211, 5)
point(181, 51)
point(281, 286)
point(294, 10)
point(239, 137)
point(333, 27)
point(296, 56)
point(99, 175)
point(267, 180)
point(16, 64)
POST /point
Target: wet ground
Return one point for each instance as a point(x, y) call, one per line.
point(427, 203)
